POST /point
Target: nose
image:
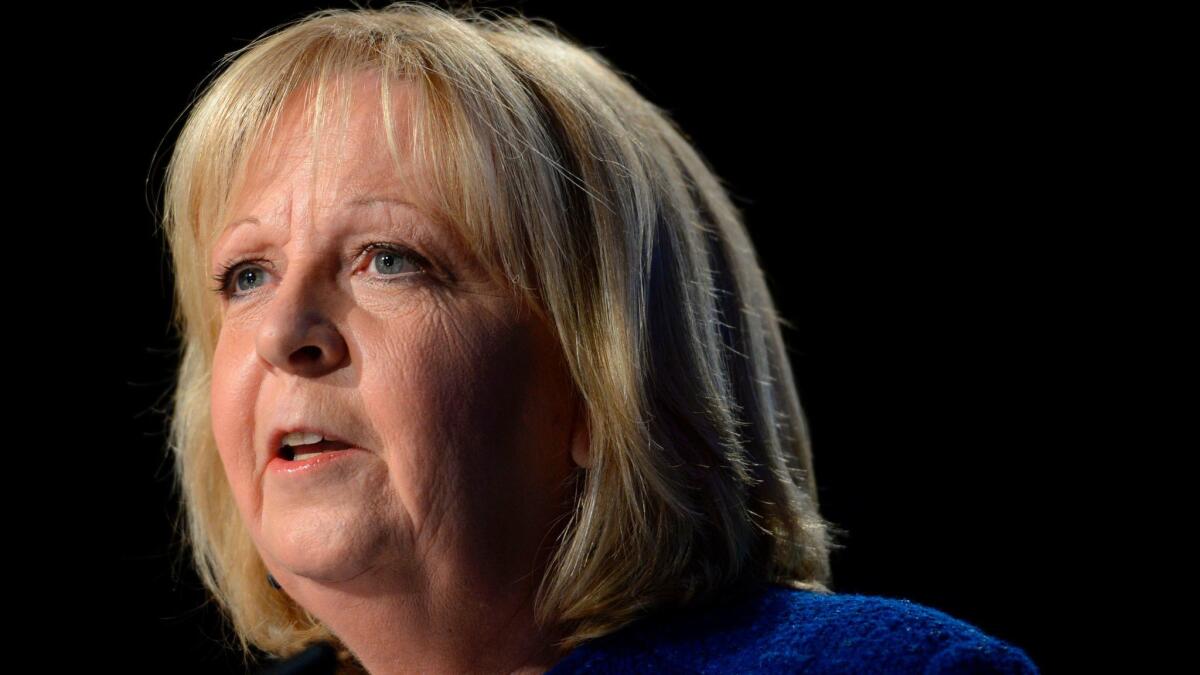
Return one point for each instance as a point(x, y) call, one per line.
point(297, 334)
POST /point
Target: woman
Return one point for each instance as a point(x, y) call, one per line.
point(486, 377)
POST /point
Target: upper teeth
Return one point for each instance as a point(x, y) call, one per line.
point(302, 438)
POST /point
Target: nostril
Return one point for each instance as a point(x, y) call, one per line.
point(310, 352)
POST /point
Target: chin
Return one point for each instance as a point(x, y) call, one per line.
point(322, 546)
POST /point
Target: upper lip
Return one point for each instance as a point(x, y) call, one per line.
point(275, 441)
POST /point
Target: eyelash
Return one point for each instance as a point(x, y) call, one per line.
point(225, 277)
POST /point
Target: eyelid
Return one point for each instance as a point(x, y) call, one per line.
point(227, 276)
point(228, 273)
point(368, 250)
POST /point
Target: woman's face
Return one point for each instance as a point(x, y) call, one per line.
point(456, 413)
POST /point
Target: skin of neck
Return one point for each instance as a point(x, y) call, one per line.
point(448, 626)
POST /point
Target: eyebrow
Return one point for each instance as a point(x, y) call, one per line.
point(356, 202)
point(451, 247)
point(369, 200)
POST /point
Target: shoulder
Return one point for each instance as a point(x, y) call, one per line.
point(782, 629)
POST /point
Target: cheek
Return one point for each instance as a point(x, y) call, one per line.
point(232, 412)
point(463, 399)
point(452, 376)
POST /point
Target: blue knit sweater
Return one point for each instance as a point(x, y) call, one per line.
point(785, 630)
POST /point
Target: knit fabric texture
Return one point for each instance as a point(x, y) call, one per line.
point(786, 630)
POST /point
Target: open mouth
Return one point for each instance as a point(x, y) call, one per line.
point(302, 452)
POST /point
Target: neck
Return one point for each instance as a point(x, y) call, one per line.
point(451, 627)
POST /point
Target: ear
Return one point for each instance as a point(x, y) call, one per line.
point(581, 448)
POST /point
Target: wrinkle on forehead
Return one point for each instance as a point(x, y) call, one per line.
point(340, 142)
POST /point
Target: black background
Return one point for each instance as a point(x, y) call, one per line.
point(902, 175)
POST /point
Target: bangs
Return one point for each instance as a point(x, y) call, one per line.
point(436, 164)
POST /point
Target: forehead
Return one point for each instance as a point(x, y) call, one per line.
point(350, 153)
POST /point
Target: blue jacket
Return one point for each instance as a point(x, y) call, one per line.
point(785, 630)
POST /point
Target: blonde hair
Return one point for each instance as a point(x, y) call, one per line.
point(594, 208)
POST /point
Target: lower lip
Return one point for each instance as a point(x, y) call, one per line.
point(283, 466)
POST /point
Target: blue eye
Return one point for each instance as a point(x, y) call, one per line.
point(388, 261)
point(392, 259)
point(244, 270)
point(249, 274)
